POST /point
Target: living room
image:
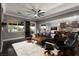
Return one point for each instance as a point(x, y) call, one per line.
point(39, 29)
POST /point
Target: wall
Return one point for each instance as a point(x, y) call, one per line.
point(9, 35)
point(55, 21)
point(0, 29)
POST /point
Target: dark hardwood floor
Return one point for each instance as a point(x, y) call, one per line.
point(8, 49)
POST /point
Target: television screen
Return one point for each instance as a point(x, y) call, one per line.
point(53, 28)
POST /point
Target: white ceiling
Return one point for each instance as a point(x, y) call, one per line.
point(50, 9)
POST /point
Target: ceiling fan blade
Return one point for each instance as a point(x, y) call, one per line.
point(33, 10)
point(39, 15)
point(36, 10)
point(39, 10)
point(22, 14)
point(42, 13)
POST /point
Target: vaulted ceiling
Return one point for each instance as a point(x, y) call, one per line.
point(24, 10)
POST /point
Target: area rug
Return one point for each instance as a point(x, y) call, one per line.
point(28, 49)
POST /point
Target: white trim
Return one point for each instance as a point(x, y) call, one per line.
point(16, 16)
point(1, 30)
point(1, 46)
point(13, 38)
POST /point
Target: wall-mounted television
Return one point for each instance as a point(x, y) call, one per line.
point(63, 25)
point(53, 28)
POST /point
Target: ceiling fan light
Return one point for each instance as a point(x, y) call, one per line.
point(35, 15)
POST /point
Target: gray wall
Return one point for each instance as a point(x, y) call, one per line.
point(54, 21)
point(0, 28)
point(9, 35)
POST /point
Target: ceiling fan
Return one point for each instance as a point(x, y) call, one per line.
point(36, 13)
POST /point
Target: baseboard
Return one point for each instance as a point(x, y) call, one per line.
point(13, 38)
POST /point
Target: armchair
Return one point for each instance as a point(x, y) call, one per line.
point(68, 46)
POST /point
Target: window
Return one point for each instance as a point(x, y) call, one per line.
point(16, 27)
point(20, 27)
